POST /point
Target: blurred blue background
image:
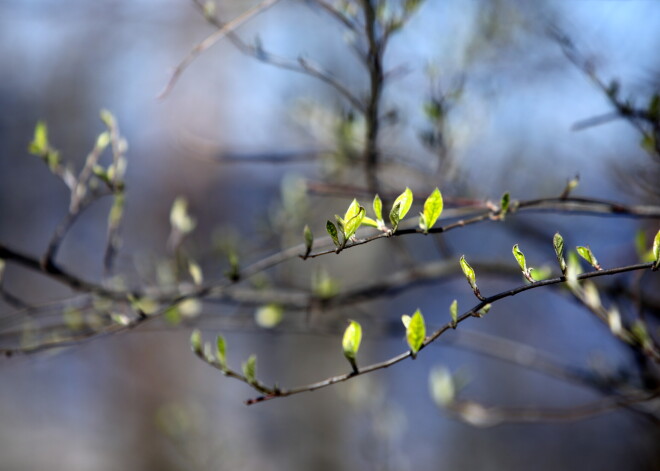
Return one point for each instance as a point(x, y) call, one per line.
point(141, 400)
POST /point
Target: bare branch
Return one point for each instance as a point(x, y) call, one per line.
point(212, 39)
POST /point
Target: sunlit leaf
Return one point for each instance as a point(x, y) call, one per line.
point(588, 255)
point(453, 311)
point(520, 258)
point(405, 319)
point(39, 145)
point(558, 244)
point(353, 218)
point(367, 221)
point(539, 274)
point(221, 350)
point(378, 208)
point(351, 340)
point(468, 272)
point(404, 200)
point(416, 332)
point(432, 209)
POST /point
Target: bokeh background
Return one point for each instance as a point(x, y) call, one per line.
point(141, 400)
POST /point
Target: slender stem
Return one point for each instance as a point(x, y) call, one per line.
point(449, 326)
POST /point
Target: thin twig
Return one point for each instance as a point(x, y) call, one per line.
point(212, 39)
point(449, 326)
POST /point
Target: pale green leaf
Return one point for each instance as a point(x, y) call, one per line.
point(656, 248)
point(102, 141)
point(443, 389)
point(221, 350)
point(196, 341)
point(520, 258)
point(353, 219)
point(179, 217)
point(309, 239)
point(453, 311)
point(558, 244)
point(108, 119)
point(405, 319)
point(250, 369)
point(588, 255)
point(195, 272)
point(351, 340)
point(404, 200)
point(542, 273)
point(39, 145)
point(378, 208)
point(573, 270)
point(416, 332)
point(367, 221)
point(432, 209)
point(468, 272)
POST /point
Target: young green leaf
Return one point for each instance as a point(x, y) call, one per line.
point(378, 208)
point(404, 200)
point(520, 258)
point(432, 210)
point(179, 217)
point(656, 250)
point(405, 319)
point(332, 230)
point(453, 311)
point(39, 145)
point(351, 343)
point(484, 310)
point(614, 321)
point(309, 239)
point(470, 276)
point(196, 342)
point(416, 332)
point(353, 218)
point(558, 244)
point(102, 141)
point(250, 369)
point(221, 350)
point(539, 274)
point(394, 216)
point(588, 255)
point(504, 205)
point(195, 272)
point(442, 385)
point(573, 270)
point(367, 221)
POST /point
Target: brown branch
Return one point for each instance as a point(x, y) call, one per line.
point(212, 39)
point(449, 326)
